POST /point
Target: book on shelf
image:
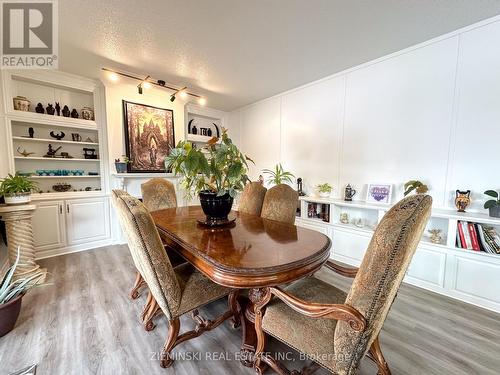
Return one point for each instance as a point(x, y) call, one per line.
point(477, 237)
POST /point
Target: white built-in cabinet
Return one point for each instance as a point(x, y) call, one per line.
point(67, 224)
point(467, 275)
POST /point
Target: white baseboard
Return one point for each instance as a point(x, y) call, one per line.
point(72, 249)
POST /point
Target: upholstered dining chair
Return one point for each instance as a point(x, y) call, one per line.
point(280, 204)
point(158, 194)
point(251, 198)
point(334, 329)
point(178, 290)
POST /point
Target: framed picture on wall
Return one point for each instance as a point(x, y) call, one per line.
point(149, 136)
point(379, 193)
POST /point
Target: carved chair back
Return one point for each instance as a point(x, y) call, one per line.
point(148, 252)
point(380, 275)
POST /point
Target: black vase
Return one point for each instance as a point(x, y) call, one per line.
point(216, 208)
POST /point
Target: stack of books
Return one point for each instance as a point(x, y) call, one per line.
point(477, 237)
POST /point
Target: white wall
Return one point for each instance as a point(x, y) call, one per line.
point(4, 165)
point(430, 112)
point(126, 89)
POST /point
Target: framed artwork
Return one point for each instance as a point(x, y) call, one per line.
point(149, 136)
point(379, 193)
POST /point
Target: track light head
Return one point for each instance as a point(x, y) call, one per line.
point(172, 98)
point(161, 82)
point(139, 88)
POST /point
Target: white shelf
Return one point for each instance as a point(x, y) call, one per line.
point(62, 177)
point(27, 139)
point(199, 138)
point(144, 175)
point(353, 227)
point(52, 120)
point(53, 159)
point(67, 195)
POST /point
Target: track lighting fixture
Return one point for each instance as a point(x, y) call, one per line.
point(147, 82)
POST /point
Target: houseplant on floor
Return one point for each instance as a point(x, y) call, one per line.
point(17, 189)
point(493, 205)
point(216, 172)
point(12, 291)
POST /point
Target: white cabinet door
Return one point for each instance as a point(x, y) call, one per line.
point(313, 226)
point(87, 220)
point(427, 268)
point(48, 225)
point(349, 247)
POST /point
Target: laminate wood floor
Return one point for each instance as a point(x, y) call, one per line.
point(85, 323)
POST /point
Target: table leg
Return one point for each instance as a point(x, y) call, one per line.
point(249, 345)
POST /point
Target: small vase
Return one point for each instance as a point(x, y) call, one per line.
point(87, 113)
point(495, 211)
point(216, 208)
point(121, 167)
point(9, 312)
point(21, 104)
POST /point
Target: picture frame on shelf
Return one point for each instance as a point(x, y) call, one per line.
point(380, 193)
point(149, 135)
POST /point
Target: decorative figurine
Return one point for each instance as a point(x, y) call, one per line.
point(349, 192)
point(57, 136)
point(89, 153)
point(462, 200)
point(50, 110)
point(87, 113)
point(203, 131)
point(190, 125)
point(61, 187)
point(21, 104)
point(209, 132)
point(194, 130)
point(89, 140)
point(24, 152)
point(74, 113)
point(58, 109)
point(359, 223)
point(435, 235)
point(65, 111)
point(31, 132)
point(39, 108)
point(344, 218)
point(216, 129)
point(76, 137)
point(66, 155)
point(51, 153)
point(299, 187)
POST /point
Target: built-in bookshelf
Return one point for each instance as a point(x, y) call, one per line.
point(205, 122)
point(54, 149)
point(440, 264)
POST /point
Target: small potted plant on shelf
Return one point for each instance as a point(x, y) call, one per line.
point(216, 172)
point(278, 175)
point(121, 164)
point(324, 190)
point(493, 205)
point(12, 291)
point(17, 189)
point(419, 187)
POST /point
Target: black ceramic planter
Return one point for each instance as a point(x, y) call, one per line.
point(495, 211)
point(9, 312)
point(216, 208)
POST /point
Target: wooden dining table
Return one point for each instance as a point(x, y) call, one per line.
point(251, 253)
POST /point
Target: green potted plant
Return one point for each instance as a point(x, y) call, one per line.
point(17, 189)
point(419, 187)
point(278, 175)
point(493, 205)
point(121, 164)
point(324, 190)
point(11, 294)
point(216, 172)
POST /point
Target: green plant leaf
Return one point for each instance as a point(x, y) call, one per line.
point(490, 203)
point(491, 193)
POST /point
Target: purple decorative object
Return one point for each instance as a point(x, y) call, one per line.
point(379, 193)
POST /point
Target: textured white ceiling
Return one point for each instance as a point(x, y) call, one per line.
point(236, 52)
